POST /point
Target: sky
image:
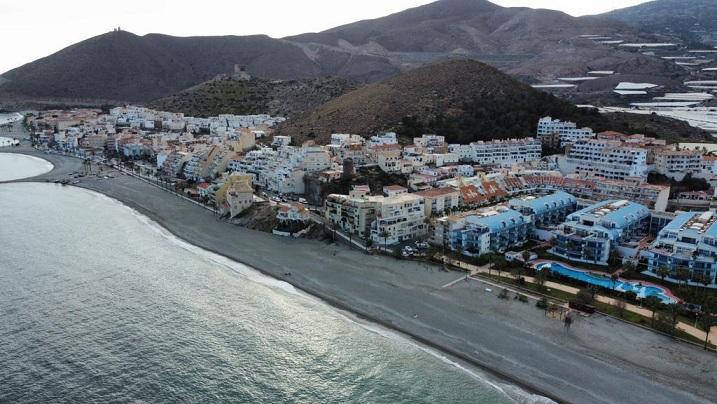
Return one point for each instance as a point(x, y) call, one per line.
point(30, 30)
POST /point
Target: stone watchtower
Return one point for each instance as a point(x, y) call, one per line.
point(240, 73)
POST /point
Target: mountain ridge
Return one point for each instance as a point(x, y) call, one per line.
point(124, 67)
point(694, 21)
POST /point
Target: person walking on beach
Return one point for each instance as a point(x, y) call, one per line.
point(568, 321)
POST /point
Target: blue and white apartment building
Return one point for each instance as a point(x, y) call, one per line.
point(547, 210)
point(689, 241)
point(489, 230)
point(589, 234)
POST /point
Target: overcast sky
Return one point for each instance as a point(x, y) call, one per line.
point(32, 29)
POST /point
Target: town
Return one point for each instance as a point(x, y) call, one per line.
point(632, 207)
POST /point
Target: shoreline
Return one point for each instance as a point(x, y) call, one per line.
point(452, 325)
point(348, 311)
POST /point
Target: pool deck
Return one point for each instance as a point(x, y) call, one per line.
point(666, 291)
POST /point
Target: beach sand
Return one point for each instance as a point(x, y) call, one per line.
point(600, 360)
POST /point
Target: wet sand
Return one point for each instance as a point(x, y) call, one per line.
point(600, 360)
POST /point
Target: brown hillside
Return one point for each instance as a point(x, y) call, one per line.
point(464, 100)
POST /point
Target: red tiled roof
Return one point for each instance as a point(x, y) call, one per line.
point(432, 193)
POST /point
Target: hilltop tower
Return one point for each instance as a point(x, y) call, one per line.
point(241, 73)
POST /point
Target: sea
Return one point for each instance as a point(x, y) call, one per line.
point(100, 304)
point(15, 166)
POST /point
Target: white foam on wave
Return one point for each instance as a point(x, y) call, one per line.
point(237, 267)
point(511, 391)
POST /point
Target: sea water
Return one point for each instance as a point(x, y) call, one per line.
point(98, 303)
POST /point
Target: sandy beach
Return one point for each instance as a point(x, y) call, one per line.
point(600, 360)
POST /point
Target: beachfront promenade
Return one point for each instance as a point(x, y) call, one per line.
point(599, 360)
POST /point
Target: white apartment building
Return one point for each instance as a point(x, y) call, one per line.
point(383, 219)
point(440, 200)
point(463, 151)
point(314, 158)
point(388, 157)
point(676, 164)
point(282, 170)
point(504, 153)
point(345, 138)
point(444, 159)
point(568, 131)
point(603, 158)
point(386, 138)
point(398, 218)
point(430, 141)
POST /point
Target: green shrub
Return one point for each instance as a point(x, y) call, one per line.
point(542, 303)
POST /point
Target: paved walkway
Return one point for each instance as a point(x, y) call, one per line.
point(689, 329)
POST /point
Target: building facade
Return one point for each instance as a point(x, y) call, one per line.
point(689, 243)
point(547, 210)
point(567, 132)
point(606, 158)
point(590, 234)
point(490, 230)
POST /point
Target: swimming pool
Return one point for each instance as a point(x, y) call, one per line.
point(621, 285)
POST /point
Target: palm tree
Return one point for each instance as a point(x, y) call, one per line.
point(662, 271)
point(613, 279)
point(384, 234)
point(652, 303)
point(540, 279)
point(705, 280)
point(682, 274)
point(707, 321)
point(526, 256)
point(674, 311)
point(629, 267)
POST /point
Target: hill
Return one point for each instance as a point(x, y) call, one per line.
point(227, 95)
point(464, 100)
point(694, 21)
point(121, 66)
point(533, 44)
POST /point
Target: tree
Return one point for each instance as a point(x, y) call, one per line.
point(629, 267)
point(705, 280)
point(662, 272)
point(384, 235)
point(519, 274)
point(653, 303)
point(620, 306)
point(614, 257)
point(500, 263)
point(526, 256)
point(682, 274)
point(673, 311)
point(613, 279)
point(585, 296)
point(540, 277)
point(707, 321)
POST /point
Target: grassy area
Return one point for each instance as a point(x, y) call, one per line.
point(554, 293)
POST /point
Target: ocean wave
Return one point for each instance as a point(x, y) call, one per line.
point(513, 392)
